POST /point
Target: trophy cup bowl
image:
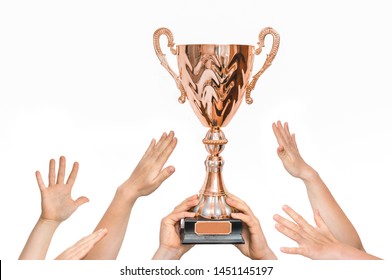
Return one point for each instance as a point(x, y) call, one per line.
point(214, 79)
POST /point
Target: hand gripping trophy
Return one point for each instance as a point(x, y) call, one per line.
point(214, 79)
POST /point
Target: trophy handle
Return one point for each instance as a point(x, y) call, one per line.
point(162, 57)
point(270, 57)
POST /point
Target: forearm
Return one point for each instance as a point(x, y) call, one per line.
point(39, 240)
point(115, 220)
point(322, 199)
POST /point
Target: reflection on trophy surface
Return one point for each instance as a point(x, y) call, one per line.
point(214, 79)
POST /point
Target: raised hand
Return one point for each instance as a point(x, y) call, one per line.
point(319, 195)
point(80, 249)
point(316, 243)
point(56, 201)
point(149, 173)
point(288, 151)
point(56, 206)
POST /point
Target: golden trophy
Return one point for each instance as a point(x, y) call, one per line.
point(214, 79)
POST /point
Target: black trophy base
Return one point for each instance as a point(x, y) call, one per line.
point(205, 231)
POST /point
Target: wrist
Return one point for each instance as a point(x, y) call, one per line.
point(128, 192)
point(48, 223)
point(265, 254)
point(164, 253)
point(336, 251)
point(308, 174)
point(269, 255)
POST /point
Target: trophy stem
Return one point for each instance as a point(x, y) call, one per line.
point(212, 198)
point(213, 224)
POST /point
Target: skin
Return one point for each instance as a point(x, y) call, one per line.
point(80, 249)
point(57, 205)
point(256, 246)
point(170, 247)
point(319, 195)
point(317, 243)
point(148, 175)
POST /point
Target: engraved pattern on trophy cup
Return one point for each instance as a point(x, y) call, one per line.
point(267, 63)
point(215, 78)
point(162, 57)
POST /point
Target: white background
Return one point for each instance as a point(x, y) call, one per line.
point(81, 79)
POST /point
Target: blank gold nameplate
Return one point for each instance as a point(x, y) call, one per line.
point(213, 227)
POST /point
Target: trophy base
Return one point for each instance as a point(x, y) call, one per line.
point(205, 231)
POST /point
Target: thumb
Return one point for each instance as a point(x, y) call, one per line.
point(81, 200)
point(164, 174)
point(280, 151)
point(318, 219)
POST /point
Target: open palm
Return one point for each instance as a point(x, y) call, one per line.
point(56, 201)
